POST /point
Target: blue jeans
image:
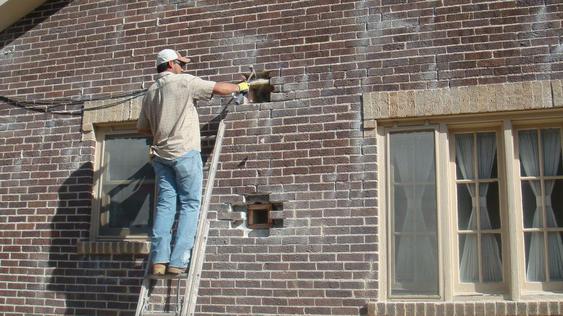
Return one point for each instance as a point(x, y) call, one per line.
point(179, 189)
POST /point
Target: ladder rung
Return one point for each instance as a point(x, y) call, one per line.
point(167, 276)
point(159, 314)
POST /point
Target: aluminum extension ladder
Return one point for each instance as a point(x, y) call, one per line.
point(185, 305)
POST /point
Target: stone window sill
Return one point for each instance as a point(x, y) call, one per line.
point(113, 247)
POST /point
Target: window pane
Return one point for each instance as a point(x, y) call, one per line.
point(429, 207)
point(414, 211)
point(416, 276)
point(487, 155)
point(489, 206)
point(551, 143)
point(535, 268)
point(127, 191)
point(464, 144)
point(125, 198)
point(400, 206)
point(532, 211)
point(406, 270)
point(466, 218)
point(555, 255)
point(556, 200)
point(428, 198)
point(491, 257)
point(529, 154)
point(468, 258)
point(125, 156)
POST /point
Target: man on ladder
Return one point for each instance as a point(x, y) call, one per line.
point(169, 115)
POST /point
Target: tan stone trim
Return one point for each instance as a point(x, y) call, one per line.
point(113, 247)
point(462, 100)
point(110, 111)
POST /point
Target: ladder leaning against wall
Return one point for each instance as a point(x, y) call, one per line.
point(185, 305)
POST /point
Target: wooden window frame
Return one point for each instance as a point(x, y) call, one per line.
point(101, 131)
point(477, 288)
point(385, 189)
point(259, 207)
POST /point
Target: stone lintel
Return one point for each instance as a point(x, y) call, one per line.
point(462, 100)
point(109, 111)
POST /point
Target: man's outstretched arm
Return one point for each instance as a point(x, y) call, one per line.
point(226, 88)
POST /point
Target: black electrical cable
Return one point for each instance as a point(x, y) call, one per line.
point(47, 106)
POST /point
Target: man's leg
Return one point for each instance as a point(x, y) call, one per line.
point(165, 212)
point(189, 178)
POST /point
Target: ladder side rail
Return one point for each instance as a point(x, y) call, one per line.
point(143, 295)
point(192, 284)
point(198, 254)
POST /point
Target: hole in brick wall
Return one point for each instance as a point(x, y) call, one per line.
point(258, 216)
point(260, 87)
point(255, 214)
point(261, 213)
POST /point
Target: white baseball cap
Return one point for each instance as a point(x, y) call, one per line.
point(167, 55)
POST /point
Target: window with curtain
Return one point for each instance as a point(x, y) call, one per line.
point(413, 214)
point(478, 212)
point(541, 174)
point(472, 207)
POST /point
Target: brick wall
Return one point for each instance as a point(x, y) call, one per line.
point(306, 147)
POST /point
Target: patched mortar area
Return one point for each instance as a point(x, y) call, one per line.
point(256, 214)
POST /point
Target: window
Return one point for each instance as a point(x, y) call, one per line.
point(479, 235)
point(413, 213)
point(472, 208)
point(124, 193)
point(541, 174)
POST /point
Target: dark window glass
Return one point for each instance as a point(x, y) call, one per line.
point(127, 186)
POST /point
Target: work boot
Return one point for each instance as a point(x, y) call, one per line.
point(175, 271)
point(158, 269)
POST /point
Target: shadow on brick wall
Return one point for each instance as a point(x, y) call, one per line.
point(86, 284)
point(28, 22)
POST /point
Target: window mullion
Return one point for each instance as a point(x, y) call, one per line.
point(477, 202)
point(383, 207)
point(444, 217)
point(514, 203)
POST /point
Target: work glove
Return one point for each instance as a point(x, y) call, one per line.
point(239, 96)
point(243, 87)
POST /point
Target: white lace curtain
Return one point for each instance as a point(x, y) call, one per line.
point(529, 157)
point(490, 249)
point(416, 263)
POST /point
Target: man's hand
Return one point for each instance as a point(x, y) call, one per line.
point(243, 86)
